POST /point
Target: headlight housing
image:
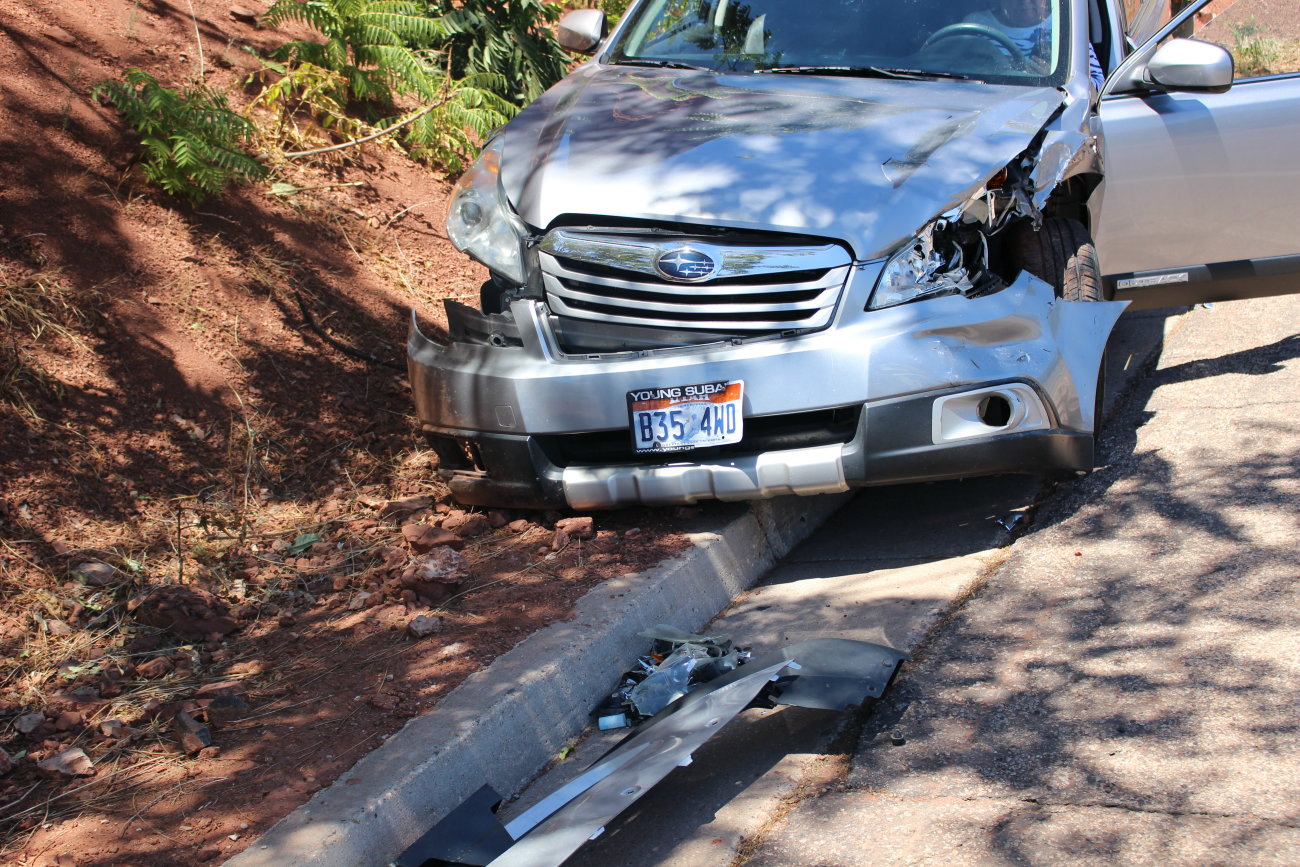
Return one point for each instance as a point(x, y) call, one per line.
point(480, 221)
point(930, 265)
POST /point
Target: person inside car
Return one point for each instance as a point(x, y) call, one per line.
point(1028, 23)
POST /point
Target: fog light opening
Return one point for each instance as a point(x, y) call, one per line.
point(995, 410)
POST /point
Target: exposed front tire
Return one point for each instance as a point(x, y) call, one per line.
point(1061, 253)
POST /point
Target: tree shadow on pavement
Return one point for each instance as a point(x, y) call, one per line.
point(1132, 656)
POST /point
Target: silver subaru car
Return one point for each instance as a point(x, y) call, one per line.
point(781, 247)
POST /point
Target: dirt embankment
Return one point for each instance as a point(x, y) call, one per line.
point(215, 527)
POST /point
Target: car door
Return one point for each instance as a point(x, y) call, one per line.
point(1201, 199)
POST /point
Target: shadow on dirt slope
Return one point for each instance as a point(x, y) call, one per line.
point(198, 339)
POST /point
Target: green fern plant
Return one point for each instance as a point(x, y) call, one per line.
point(378, 51)
point(191, 139)
point(510, 37)
point(372, 44)
point(306, 99)
point(468, 110)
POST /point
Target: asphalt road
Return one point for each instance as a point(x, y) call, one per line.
point(1105, 669)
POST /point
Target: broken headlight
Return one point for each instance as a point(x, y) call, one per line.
point(480, 221)
point(930, 265)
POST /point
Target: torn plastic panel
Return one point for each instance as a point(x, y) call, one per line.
point(823, 673)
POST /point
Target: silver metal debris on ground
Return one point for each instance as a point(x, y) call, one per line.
point(828, 673)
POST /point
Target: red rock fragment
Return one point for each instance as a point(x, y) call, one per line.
point(423, 537)
point(398, 508)
point(577, 528)
point(67, 720)
point(436, 575)
point(156, 667)
point(474, 525)
point(424, 626)
point(69, 763)
point(453, 519)
point(192, 735)
point(384, 701)
point(29, 722)
point(559, 539)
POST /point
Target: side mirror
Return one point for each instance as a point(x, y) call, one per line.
point(581, 30)
point(1190, 64)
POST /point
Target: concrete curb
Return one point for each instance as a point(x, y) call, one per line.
point(505, 723)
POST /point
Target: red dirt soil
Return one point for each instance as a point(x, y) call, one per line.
point(247, 483)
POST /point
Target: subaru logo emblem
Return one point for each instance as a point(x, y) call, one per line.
point(686, 265)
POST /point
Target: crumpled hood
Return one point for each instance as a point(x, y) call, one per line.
point(865, 161)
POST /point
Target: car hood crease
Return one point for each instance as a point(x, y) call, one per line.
point(864, 161)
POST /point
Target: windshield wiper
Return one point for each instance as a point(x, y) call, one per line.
point(865, 72)
point(661, 64)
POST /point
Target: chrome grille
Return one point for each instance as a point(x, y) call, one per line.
point(751, 288)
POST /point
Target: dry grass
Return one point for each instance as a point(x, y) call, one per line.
point(41, 304)
point(1257, 52)
point(37, 308)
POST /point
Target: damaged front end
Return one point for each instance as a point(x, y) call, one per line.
point(624, 359)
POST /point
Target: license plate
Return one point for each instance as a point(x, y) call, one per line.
point(684, 417)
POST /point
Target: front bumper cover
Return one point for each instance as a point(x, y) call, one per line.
point(505, 418)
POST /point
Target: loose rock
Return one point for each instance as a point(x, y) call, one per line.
point(559, 540)
point(423, 538)
point(96, 574)
point(190, 733)
point(453, 519)
point(441, 564)
point(397, 508)
point(436, 575)
point(6, 763)
point(156, 667)
point(68, 720)
point(474, 525)
point(118, 730)
point(69, 763)
point(29, 722)
point(424, 626)
point(578, 528)
point(383, 701)
point(359, 600)
point(520, 526)
point(225, 709)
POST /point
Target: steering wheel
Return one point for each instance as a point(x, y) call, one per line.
point(966, 29)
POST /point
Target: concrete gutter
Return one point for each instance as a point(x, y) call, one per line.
point(506, 723)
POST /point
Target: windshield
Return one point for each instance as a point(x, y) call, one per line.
point(1003, 41)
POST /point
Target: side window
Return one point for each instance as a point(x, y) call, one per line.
point(1263, 35)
